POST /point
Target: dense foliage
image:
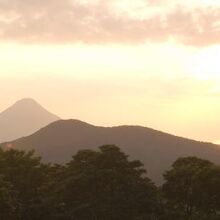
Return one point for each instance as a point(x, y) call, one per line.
point(105, 185)
point(192, 190)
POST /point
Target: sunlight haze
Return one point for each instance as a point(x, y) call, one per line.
point(151, 63)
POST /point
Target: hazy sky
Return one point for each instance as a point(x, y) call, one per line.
point(109, 62)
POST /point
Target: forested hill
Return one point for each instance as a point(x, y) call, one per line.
point(58, 141)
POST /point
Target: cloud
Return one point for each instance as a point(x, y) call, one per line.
point(99, 22)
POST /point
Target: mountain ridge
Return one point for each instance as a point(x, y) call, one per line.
point(58, 141)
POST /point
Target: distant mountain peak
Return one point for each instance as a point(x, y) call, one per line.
point(23, 118)
point(27, 101)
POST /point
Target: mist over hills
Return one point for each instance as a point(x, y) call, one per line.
point(58, 141)
point(23, 118)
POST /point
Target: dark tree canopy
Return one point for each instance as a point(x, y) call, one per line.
point(104, 184)
point(192, 189)
point(23, 178)
point(8, 200)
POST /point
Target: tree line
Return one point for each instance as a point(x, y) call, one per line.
point(105, 185)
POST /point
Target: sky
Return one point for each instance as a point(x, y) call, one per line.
point(153, 63)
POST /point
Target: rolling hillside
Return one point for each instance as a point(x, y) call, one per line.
point(58, 141)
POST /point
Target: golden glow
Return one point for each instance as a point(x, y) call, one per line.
point(164, 86)
point(83, 61)
point(142, 62)
point(205, 64)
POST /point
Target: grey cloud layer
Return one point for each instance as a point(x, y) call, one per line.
point(66, 21)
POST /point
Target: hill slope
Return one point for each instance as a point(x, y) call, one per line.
point(23, 118)
point(157, 150)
